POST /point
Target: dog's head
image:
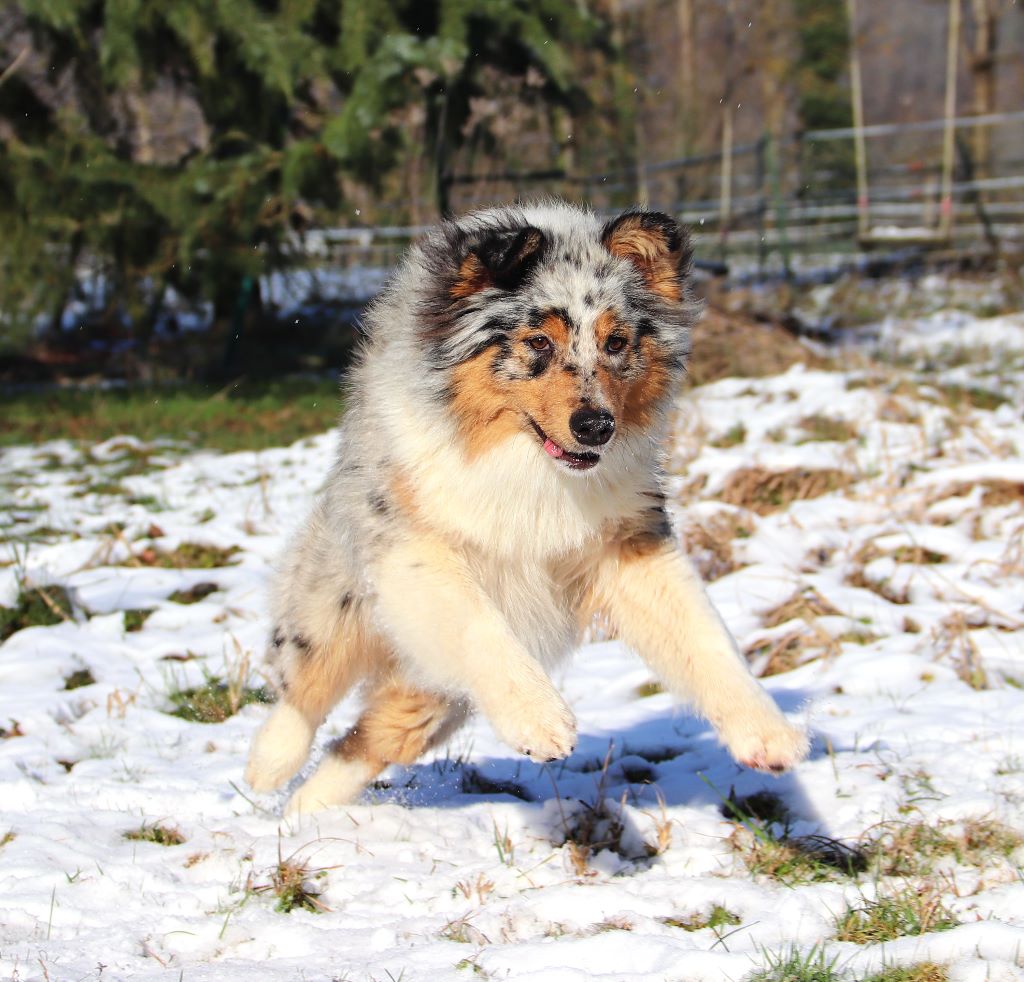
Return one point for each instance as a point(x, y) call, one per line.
point(542, 320)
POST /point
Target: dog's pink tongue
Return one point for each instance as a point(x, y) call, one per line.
point(552, 449)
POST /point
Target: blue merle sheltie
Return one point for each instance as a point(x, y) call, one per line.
point(499, 482)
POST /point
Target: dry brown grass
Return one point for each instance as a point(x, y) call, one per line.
point(764, 491)
point(709, 543)
point(732, 437)
point(998, 493)
point(793, 649)
point(952, 639)
point(880, 587)
point(795, 860)
point(801, 645)
point(995, 492)
point(922, 972)
point(691, 489)
point(188, 555)
point(918, 556)
point(158, 833)
point(718, 916)
point(728, 345)
point(826, 429)
point(807, 605)
point(911, 849)
point(907, 913)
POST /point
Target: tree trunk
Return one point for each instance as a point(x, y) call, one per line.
point(687, 117)
point(983, 81)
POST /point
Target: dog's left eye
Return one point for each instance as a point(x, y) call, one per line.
point(615, 344)
point(539, 343)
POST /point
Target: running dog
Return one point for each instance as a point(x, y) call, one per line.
point(499, 482)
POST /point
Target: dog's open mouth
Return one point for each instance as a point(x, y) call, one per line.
point(574, 461)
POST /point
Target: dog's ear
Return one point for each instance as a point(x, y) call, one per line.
point(501, 258)
point(654, 243)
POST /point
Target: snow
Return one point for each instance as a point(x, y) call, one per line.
point(460, 866)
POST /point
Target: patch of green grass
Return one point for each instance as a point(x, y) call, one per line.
point(195, 593)
point(732, 437)
point(918, 556)
point(134, 619)
point(857, 637)
point(763, 839)
point(35, 607)
point(161, 835)
point(292, 883)
point(923, 972)
point(133, 458)
point(913, 848)
point(793, 965)
point(243, 416)
point(43, 534)
point(472, 966)
point(105, 487)
point(888, 918)
point(646, 689)
point(79, 678)
point(188, 555)
point(148, 501)
point(718, 916)
point(9, 836)
point(971, 395)
point(214, 701)
point(459, 930)
point(826, 429)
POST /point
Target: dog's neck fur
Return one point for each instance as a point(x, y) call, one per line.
point(512, 501)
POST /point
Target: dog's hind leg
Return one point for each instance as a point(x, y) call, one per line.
point(314, 675)
point(398, 725)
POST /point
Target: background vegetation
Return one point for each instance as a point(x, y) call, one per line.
point(162, 160)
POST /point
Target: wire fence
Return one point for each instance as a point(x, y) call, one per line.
point(775, 206)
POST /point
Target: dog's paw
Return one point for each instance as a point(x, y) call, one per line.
point(544, 730)
point(774, 746)
point(279, 749)
point(336, 782)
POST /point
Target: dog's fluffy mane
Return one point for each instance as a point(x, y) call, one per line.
point(423, 327)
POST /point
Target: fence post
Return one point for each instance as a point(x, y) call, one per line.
point(725, 190)
point(762, 202)
point(775, 167)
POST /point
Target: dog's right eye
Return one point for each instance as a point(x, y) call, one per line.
point(539, 343)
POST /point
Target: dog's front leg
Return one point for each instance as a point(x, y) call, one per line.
point(657, 604)
point(450, 636)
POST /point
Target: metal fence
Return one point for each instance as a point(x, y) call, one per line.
point(774, 206)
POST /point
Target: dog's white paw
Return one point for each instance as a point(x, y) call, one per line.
point(279, 749)
point(772, 745)
point(336, 782)
point(544, 729)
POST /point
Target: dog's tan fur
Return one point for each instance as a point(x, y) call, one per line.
point(472, 522)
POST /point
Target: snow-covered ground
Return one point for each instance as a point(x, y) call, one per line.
point(889, 611)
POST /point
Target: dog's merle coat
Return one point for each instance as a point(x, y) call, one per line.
point(499, 480)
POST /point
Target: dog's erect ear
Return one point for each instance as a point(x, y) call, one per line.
point(501, 258)
point(656, 245)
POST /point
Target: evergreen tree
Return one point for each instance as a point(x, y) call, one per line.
point(823, 97)
point(177, 145)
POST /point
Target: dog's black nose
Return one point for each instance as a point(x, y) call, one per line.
point(592, 427)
